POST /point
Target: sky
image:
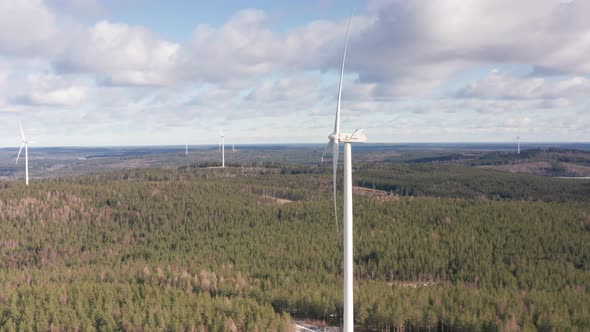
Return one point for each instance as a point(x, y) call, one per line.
point(147, 72)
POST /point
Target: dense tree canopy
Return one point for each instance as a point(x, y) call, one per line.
point(221, 250)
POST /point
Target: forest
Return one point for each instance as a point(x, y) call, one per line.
point(437, 247)
point(452, 180)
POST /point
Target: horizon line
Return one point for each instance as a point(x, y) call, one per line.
point(291, 143)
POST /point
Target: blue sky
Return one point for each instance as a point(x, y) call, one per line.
point(176, 19)
point(146, 72)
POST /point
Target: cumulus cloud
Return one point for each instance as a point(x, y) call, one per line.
point(52, 90)
point(246, 47)
point(286, 89)
point(401, 57)
point(27, 27)
point(459, 107)
point(557, 103)
point(413, 46)
point(70, 96)
point(501, 85)
point(121, 54)
point(502, 92)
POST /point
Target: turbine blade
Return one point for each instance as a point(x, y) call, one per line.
point(22, 133)
point(19, 151)
point(334, 174)
point(327, 149)
point(337, 121)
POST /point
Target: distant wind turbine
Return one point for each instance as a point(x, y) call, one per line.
point(356, 137)
point(222, 147)
point(24, 144)
point(186, 149)
point(518, 144)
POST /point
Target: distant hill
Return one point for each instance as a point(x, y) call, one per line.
point(544, 168)
point(546, 162)
point(553, 162)
point(460, 181)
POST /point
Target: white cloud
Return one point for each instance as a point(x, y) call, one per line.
point(66, 97)
point(241, 47)
point(499, 85)
point(556, 103)
point(106, 73)
point(288, 89)
point(27, 27)
point(51, 90)
point(416, 45)
point(121, 54)
point(246, 48)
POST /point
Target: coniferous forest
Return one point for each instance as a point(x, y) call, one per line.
point(437, 247)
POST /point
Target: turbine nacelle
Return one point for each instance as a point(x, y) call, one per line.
point(356, 137)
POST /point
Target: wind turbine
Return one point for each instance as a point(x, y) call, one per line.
point(24, 144)
point(518, 146)
point(222, 147)
point(335, 138)
point(186, 149)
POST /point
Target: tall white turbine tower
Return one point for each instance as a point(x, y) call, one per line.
point(24, 144)
point(222, 146)
point(336, 137)
point(518, 144)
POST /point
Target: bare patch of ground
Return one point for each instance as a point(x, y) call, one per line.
point(543, 168)
point(56, 167)
point(380, 195)
point(276, 200)
point(307, 325)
